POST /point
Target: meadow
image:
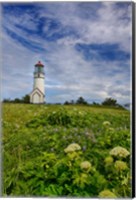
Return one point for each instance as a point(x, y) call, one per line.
point(65, 151)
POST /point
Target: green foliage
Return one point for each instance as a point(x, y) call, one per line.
point(109, 102)
point(81, 100)
point(25, 99)
point(73, 151)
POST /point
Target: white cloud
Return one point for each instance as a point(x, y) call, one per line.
point(108, 27)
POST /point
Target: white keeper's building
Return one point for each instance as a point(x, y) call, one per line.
point(37, 96)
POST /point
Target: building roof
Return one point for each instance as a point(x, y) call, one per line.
point(39, 64)
point(37, 90)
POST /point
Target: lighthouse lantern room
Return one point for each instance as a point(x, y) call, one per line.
point(37, 96)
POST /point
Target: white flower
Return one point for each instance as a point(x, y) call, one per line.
point(72, 147)
point(120, 165)
point(106, 123)
point(108, 160)
point(85, 165)
point(119, 152)
point(107, 193)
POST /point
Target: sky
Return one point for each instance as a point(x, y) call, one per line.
point(85, 48)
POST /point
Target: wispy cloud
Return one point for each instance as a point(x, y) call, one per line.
point(85, 46)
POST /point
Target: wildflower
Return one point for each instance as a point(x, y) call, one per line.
point(17, 126)
point(106, 123)
point(120, 165)
point(107, 193)
point(81, 113)
point(56, 130)
point(119, 152)
point(84, 148)
point(109, 160)
point(87, 133)
point(52, 149)
point(86, 165)
point(47, 166)
point(72, 147)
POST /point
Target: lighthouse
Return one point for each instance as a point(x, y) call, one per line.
point(37, 96)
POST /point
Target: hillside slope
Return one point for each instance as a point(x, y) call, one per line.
point(54, 150)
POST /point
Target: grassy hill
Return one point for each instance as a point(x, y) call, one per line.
point(74, 151)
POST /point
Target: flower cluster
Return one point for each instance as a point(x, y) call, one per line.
point(85, 165)
point(120, 165)
point(108, 160)
point(107, 193)
point(119, 152)
point(106, 123)
point(72, 147)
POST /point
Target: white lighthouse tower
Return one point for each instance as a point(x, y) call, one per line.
point(37, 96)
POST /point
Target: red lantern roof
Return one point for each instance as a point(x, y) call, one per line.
point(39, 64)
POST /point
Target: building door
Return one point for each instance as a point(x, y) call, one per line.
point(36, 98)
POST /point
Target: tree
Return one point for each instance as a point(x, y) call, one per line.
point(69, 102)
point(81, 100)
point(26, 99)
point(17, 100)
point(109, 102)
point(66, 103)
point(95, 104)
point(6, 100)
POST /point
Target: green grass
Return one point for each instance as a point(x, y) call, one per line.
point(34, 159)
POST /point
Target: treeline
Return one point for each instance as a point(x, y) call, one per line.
point(107, 102)
point(80, 101)
point(25, 99)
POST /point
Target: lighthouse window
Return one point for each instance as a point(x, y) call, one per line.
point(36, 70)
point(40, 69)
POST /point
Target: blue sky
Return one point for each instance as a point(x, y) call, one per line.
point(85, 47)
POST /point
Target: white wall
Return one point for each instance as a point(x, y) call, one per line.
point(36, 98)
point(38, 93)
point(39, 83)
